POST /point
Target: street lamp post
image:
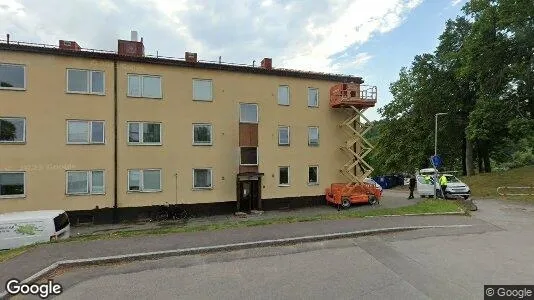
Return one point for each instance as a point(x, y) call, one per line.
point(436, 153)
point(436, 133)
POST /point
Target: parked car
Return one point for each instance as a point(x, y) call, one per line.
point(371, 181)
point(29, 227)
point(454, 185)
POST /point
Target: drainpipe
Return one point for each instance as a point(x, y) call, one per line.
point(115, 147)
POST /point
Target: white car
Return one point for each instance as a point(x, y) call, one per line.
point(371, 181)
point(454, 185)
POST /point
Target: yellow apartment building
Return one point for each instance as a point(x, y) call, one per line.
point(111, 135)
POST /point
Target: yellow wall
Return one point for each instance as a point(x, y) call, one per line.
point(46, 107)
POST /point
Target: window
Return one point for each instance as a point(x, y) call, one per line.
point(12, 130)
point(202, 134)
point(283, 176)
point(145, 86)
point(249, 156)
point(283, 95)
point(313, 136)
point(283, 135)
point(12, 77)
point(144, 133)
point(144, 180)
point(202, 90)
point(12, 184)
point(85, 182)
point(85, 81)
point(248, 113)
point(313, 175)
point(313, 97)
point(85, 132)
point(202, 179)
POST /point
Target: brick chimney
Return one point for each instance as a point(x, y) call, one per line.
point(132, 47)
point(191, 57)
point(69, 45)
point(267, 63)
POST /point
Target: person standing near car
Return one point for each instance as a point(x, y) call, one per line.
point(412, 186)
point(443, 184)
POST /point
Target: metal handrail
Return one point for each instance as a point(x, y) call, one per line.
point(531, 188)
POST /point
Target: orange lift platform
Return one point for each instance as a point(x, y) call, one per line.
point(353, 99)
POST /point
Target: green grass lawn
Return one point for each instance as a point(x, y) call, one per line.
point(426, 206)
point(485, 185)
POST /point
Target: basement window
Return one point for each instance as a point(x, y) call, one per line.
point(85, 81)
point(12, 77)
point(12, 184)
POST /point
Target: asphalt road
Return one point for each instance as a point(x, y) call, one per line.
point(423, 264)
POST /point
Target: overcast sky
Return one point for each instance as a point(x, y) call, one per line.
point(368, 38)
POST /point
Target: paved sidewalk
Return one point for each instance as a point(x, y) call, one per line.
point(36, 259)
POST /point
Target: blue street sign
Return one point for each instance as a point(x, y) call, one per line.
point(436, 161)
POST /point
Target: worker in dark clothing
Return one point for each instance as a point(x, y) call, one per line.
point(412, 186)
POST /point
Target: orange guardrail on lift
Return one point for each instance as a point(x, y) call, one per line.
point(352, 94)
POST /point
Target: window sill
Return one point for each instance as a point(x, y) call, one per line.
point(284, 145)
point(12, 89)
point(313, 183)
point(282, 104)
point(145, 144)
point(142, 192)
point(13, 197)
point(202, 188)
point(203, 100)
point(313, 145)
point(202, 144)
point(71, 143)
point(284, 185)
point(246, 122)
point(248, 165)
point(85, 93)
point(144, 97)
point(12, 143)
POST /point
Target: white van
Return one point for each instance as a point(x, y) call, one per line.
point(29, 227)
point(454, 185)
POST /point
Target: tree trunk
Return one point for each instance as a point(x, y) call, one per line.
point(487, 164)
point(469, 167)
point(480, 160)
point(464, 161)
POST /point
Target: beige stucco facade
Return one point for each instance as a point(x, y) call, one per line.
point(45, 156)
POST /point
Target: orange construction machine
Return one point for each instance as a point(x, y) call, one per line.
point(354, 99)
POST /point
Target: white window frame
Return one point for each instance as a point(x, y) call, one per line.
point(141, 181)
point(210, 143)
point(211, 179)
point(288, 95)
point(25, 186)
point(317, 168)
point(23, 134)
point(90, 133)
point(288, 135)
point(141, 142)
point(257, 113)
point(288, 176)
point(25, 78)
point(89, 182)
point(89, 82)
point(211, 90)
point(257, 157)
point(141, 78)
point(309, 136)
point(317, 97)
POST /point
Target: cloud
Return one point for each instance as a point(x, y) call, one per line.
point(456, 2)
point(312, 35)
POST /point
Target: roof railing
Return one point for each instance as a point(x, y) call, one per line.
point(42, 45)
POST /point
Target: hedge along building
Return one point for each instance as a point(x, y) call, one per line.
point(106, 134)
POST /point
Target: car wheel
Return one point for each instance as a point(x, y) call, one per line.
point(345, 202)
point(373, 200)
point(422, 196)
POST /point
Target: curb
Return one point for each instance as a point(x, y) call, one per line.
point(218, 248)
point(457, 213)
